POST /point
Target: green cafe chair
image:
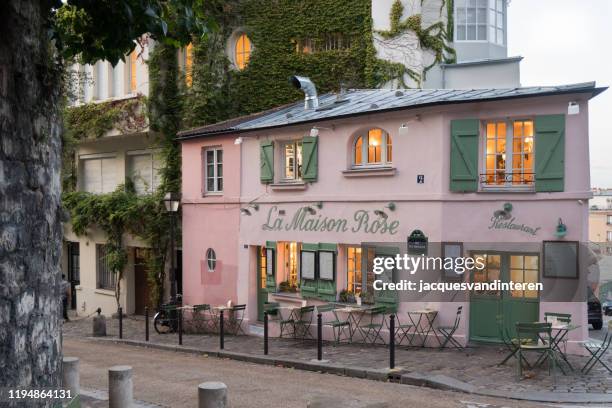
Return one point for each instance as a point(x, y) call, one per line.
point(303, 322)
point(536, 337)
point(511, 343)
point(449, 331)
point(339, 327)
point(371, 329)
point(598, 349)
point(201, 318)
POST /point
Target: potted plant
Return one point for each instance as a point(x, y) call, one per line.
point(286, 286)
point(367, 298)
point(346, 296)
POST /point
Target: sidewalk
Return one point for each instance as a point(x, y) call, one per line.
point(474, 370)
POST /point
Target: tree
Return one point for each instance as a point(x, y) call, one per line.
point(30, 154)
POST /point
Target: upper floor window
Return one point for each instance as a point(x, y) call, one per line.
point(373, 148)
point(188, 64)
point(242, 51)
point(609, 222)
point(509, 154)
point(292, 160)
point(105, 277)
point(496, 21)
point(480, 20)
point(211, 259)
point(213, 170)
point(328, 42)
point(144, 170)
point(132, 68)
point(99, 174)
point(609, 236)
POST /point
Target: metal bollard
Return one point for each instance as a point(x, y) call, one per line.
point(180, 326)
point(392, 342)
point(120, 311)
point(120, 387)
point(70, 374)
point(146, 323)
point(320, 336)
point(221, 333)
point(265, 333)
point(212, 395)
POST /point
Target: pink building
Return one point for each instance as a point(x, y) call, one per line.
point(293, 205)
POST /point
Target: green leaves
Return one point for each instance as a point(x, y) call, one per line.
point(110, 29)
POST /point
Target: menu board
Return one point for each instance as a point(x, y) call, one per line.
point(308, 265)
point(451, 250)
point(326, 265)
point(561, 259)
point(269, 262)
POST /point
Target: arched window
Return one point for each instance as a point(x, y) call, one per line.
point(211, 259)
point(242, 51)
point(373, 147)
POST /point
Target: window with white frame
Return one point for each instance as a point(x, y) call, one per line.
point(354, 274)
point(99, 174)
point(609, 236)
point(292, 160)
point(508, 154)
point(373, 147)
point(213, 170)
point(480, 20)
point(211, 259)
point(609, 220)
point(144, 170)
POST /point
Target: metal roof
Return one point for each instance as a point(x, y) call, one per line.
point(370, 101)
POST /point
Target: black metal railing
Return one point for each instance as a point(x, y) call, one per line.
point(505, 179)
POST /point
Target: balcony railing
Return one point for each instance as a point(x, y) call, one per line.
point(503, 179)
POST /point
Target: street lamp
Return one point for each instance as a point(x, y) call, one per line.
point(172, 202)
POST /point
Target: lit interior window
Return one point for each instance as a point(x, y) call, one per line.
point(373, 148)
point(243, 51)
point(189, 64)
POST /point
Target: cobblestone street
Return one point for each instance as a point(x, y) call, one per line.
point(475, 366)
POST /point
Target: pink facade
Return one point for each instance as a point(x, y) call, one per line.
point(421, 146)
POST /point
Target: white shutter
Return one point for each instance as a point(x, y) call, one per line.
point(109, 175)
point(140, 172)
point(92, 175)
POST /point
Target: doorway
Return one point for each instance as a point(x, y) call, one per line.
point(492, 311)
point(74, 274)
point(262, 292)
point(141, 281)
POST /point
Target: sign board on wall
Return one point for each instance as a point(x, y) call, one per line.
point(326, 265)
point(308, 265)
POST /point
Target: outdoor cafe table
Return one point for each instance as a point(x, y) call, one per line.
point(354, 316)
point(423, 325)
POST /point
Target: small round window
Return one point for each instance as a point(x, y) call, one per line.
point(211, 259)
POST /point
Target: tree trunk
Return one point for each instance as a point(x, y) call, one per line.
point(30, 228)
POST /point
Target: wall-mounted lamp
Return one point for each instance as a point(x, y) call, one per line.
point(319, 204)
point(247, 211)
point(310, 210)
point(314, 132)
point(573, 108)
point(238, 140)
point(390, 206)
point(381, 214)
point(561, 230)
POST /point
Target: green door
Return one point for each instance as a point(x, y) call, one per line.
point(262, 292)
point(492, 310)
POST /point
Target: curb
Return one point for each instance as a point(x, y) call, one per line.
point(436, 381)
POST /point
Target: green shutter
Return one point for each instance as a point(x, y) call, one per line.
point(266, 159)
point(309, 158)
point(464, 155)
point(308, 288)
point(271, 279)
point(388, 298)
point(549, 152)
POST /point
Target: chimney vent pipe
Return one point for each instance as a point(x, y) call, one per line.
point(311, 99)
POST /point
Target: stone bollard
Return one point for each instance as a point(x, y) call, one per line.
point(212, 395)
point(71, 375)
point(99, 324)
point(120, 387)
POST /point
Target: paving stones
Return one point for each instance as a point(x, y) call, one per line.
point(477, 368)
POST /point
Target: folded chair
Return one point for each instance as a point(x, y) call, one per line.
point(371, 330)
point(448, 331)
point(201, 318)
point(402, 330)
point(598, 349)
point(338, 326)
point(511, 343)
point(303, 322)
point(234, 320)
point(536, 337)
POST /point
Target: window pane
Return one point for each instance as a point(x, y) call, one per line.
point(358, 150)
point(501, 129)
point(516, 275)
point(482, 32)
point(289, 160)
point(528, 128)
point(220, 184)
point(518, 128)
point(481, 15)
point(471, 16)
point(501, 145)
point(389, 149)
point(471, 32)
point(531, 262)
point(219, 156)
point(461, 16)
point(299, 159)
point(490, 130)
point(210, 184)
point(210, 156)
point(516, 261)
point(531, 276)
point(461, 32)
point(374, 145)
point(500, 36)
point(220, 170)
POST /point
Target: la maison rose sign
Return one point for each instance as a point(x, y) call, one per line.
point(304, 220)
